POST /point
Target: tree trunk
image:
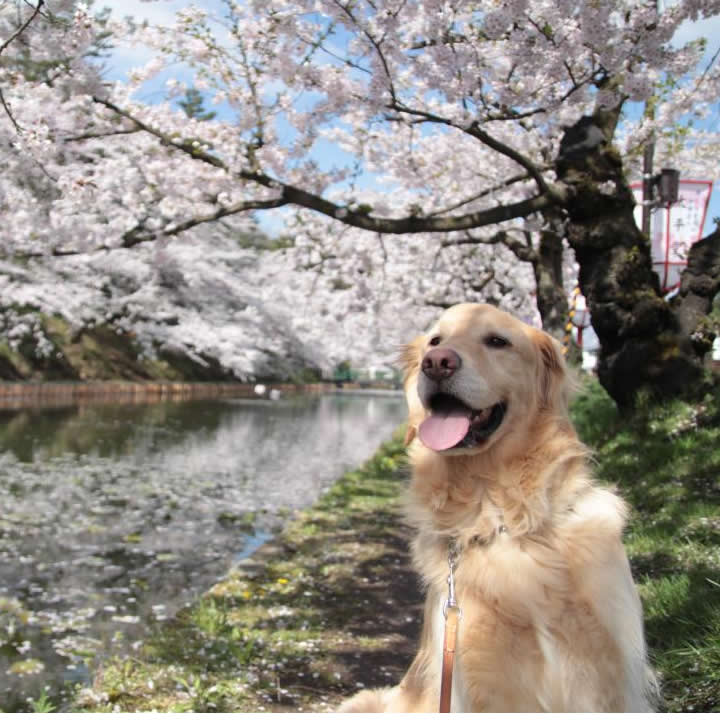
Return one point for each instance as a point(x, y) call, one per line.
point(547, 267)
point(700, 284)
point(646, 343)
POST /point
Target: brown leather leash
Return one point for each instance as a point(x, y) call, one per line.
point(452, 613)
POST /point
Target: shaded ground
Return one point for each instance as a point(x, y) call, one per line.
point(327, 609)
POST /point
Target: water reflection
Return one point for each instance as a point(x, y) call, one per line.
point(110, 515)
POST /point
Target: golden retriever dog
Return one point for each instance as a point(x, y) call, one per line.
point(550, 618)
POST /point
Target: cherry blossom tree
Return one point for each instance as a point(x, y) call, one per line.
point(459, 134)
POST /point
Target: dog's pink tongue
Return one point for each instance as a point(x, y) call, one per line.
point(442, 431)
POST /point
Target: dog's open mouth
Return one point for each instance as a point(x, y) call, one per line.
point(452, 424)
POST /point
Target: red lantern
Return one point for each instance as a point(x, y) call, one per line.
point(675, 226)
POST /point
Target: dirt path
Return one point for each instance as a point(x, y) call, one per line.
point(369, 607)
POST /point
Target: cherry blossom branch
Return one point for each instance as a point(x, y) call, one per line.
point(418, 223)
point(24, 26)
point(8, 112)
point(510, 114)
point(713, 59)
point(450, 38)
point(136, 236)
point(257, 105)
point(55, 252)
point(139, 235)
point(184, 145)
point(521, 250)
point(101, 135)
point(376, 45)
point(474, 130)
point(3, 47)
point(290, 194)
point(488, 191)
point(515, 115)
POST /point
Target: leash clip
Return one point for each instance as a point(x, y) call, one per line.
point(452, 613)
point(453, 557)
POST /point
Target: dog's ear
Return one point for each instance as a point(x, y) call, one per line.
point(554, 381)
point(409, 358)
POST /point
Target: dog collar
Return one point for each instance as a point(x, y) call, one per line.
point(456, 548)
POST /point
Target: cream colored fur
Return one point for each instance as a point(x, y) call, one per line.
point(551, 618)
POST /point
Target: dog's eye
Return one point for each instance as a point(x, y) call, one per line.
point(495, 341)
point(435, 340)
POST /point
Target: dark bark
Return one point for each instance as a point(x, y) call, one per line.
point(547, 267)
point(700, 283)
point(644, 343)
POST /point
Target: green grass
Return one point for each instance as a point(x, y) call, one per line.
point(665, 460)
point(42, 704)
point(331, 605)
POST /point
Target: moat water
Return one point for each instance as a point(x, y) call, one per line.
point(114, 515)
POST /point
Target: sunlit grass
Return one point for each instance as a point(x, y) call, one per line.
point(665, 460)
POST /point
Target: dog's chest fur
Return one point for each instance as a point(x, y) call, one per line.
point(512, 599)
point(513, 585)
point(527, 623)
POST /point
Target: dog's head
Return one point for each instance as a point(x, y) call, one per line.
point(478, 376)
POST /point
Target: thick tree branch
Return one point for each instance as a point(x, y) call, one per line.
point(418, 223)
point(290, 194)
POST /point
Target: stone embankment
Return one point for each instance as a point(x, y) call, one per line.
point(49, 394)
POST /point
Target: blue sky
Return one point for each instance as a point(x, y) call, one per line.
point(162, 12)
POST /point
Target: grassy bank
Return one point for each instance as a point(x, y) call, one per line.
point(666, 462)
point(331, 606)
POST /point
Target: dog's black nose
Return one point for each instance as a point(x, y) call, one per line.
point(440, 363)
